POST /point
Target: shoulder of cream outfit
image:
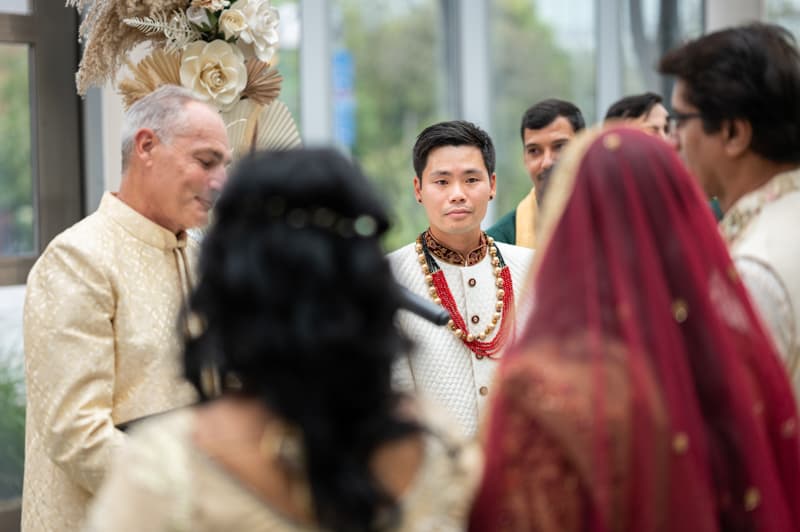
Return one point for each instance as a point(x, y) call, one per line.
point(161, 482)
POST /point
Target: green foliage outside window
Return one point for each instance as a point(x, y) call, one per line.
point(528, 65)
point(401, 87)
point(398, 80)
point(12, 433)
point(16, 186)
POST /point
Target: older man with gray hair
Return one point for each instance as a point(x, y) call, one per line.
point(102, 302)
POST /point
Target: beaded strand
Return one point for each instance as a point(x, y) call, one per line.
point(439, 291)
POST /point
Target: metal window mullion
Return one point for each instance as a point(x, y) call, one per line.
point(474, 71)
point(18, 28)
point(316, 103)
point(609, 64)
point(723, 13)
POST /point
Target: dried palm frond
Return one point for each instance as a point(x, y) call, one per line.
point(107, 38)
point(157, 69)
point(263, 82)
point(255, 126)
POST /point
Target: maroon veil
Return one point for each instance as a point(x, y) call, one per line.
point(644, 393)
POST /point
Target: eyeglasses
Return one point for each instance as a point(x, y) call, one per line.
point(676, 120)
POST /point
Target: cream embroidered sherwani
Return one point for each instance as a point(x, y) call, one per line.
point(101, 347)
point(440, 366)
point(761, 230)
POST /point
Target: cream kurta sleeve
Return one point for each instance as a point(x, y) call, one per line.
point(102, 346)
point(70, 362)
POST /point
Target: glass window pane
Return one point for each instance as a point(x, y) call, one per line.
point(16, 182)
point(17, 7)
point(289, 55)
point(651, 28)
point(786, 13)
point(539, 49)
point(389, 83)
point(12, 394)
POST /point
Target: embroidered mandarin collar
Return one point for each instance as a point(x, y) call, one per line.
point(738, 217)
point(140, 226)
point(442, 252)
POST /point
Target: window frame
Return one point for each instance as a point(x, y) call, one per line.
point(50, 31)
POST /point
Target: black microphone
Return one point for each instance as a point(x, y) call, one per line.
point(422, 307)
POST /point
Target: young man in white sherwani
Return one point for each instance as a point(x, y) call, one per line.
point(478, 281)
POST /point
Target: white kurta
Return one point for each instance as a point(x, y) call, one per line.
point(101, 348)
point(761, 230)
point(440, 366)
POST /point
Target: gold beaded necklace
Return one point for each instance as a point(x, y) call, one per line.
point(439, 291)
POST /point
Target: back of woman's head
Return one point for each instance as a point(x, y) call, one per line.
point(632, 258)
point(297, 303)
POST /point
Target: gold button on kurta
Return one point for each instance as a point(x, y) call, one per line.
point(101, 348)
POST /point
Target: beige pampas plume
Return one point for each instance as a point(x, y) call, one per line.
point(263, 82)
point(157, 69)
point(107, 38)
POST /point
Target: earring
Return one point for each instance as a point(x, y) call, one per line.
point(210, 382)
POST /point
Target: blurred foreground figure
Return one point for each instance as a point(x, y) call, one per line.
point(291, 342)
point(644, 394)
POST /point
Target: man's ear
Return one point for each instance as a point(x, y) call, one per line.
point(737, 134)
point(492, 185)
point(417, 187)
point(144, 141)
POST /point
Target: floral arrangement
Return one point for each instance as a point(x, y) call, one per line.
point(222, 50)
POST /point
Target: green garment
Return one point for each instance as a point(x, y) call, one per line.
point(714, 202)
point(505, 229)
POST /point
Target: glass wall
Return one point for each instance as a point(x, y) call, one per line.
point(289, 55)
point(15, 6)
point(786, 13)
point(538, 49)
point(389, 82)
point(40, 191)
point(650, 28)
point(16, 176)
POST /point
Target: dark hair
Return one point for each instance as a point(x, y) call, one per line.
point(297, 302)
point(543, 114)
point(749, 72)
point(453, 133)
point(634, 106)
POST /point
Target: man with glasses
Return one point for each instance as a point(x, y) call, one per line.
point(736, 123)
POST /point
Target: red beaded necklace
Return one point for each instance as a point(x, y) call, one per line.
point(441, 295)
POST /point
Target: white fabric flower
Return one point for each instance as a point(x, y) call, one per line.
point(198, 16)
point(232, 23)
point(261, 32)
point(215, 71)
point(211, 5)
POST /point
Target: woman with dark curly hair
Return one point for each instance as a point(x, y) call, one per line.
point(290, 340)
